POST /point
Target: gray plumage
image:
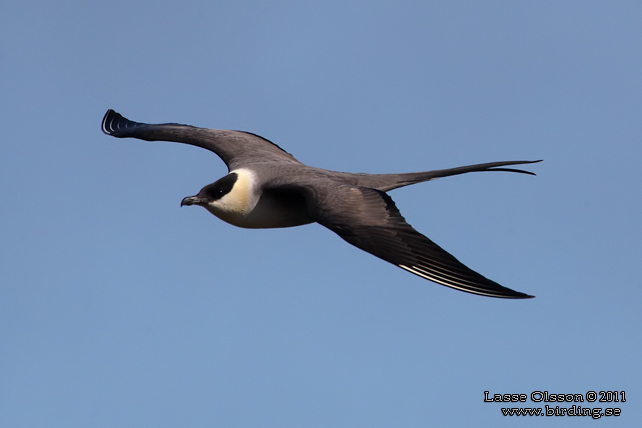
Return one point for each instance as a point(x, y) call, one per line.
point(267, 187)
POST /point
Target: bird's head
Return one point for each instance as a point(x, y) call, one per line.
point(214, 195)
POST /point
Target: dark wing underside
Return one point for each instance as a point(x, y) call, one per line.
point(368, 219)
point(235, 148)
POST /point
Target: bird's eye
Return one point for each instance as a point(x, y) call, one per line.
point(214, 193)
point(222, 187)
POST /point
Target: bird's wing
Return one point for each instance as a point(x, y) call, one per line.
point(369, 220)
point(235, 148)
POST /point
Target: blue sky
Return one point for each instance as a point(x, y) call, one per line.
point(119, 308)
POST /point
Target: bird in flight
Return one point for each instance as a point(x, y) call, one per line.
point(266, 187)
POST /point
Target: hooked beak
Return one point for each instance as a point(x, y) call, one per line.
point(193, 200)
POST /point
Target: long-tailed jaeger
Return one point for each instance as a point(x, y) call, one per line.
point(266, 187)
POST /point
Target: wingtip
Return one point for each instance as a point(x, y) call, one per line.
point(116, 125)
point(524, 296)
point(516, 294)
point(108, 119)
point(513, 295)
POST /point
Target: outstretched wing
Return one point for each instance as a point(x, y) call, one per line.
point(235, 148)
point(369, 220)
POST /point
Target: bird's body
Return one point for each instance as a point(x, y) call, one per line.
point(266, 187)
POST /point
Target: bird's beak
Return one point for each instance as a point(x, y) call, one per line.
point(193, 200)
